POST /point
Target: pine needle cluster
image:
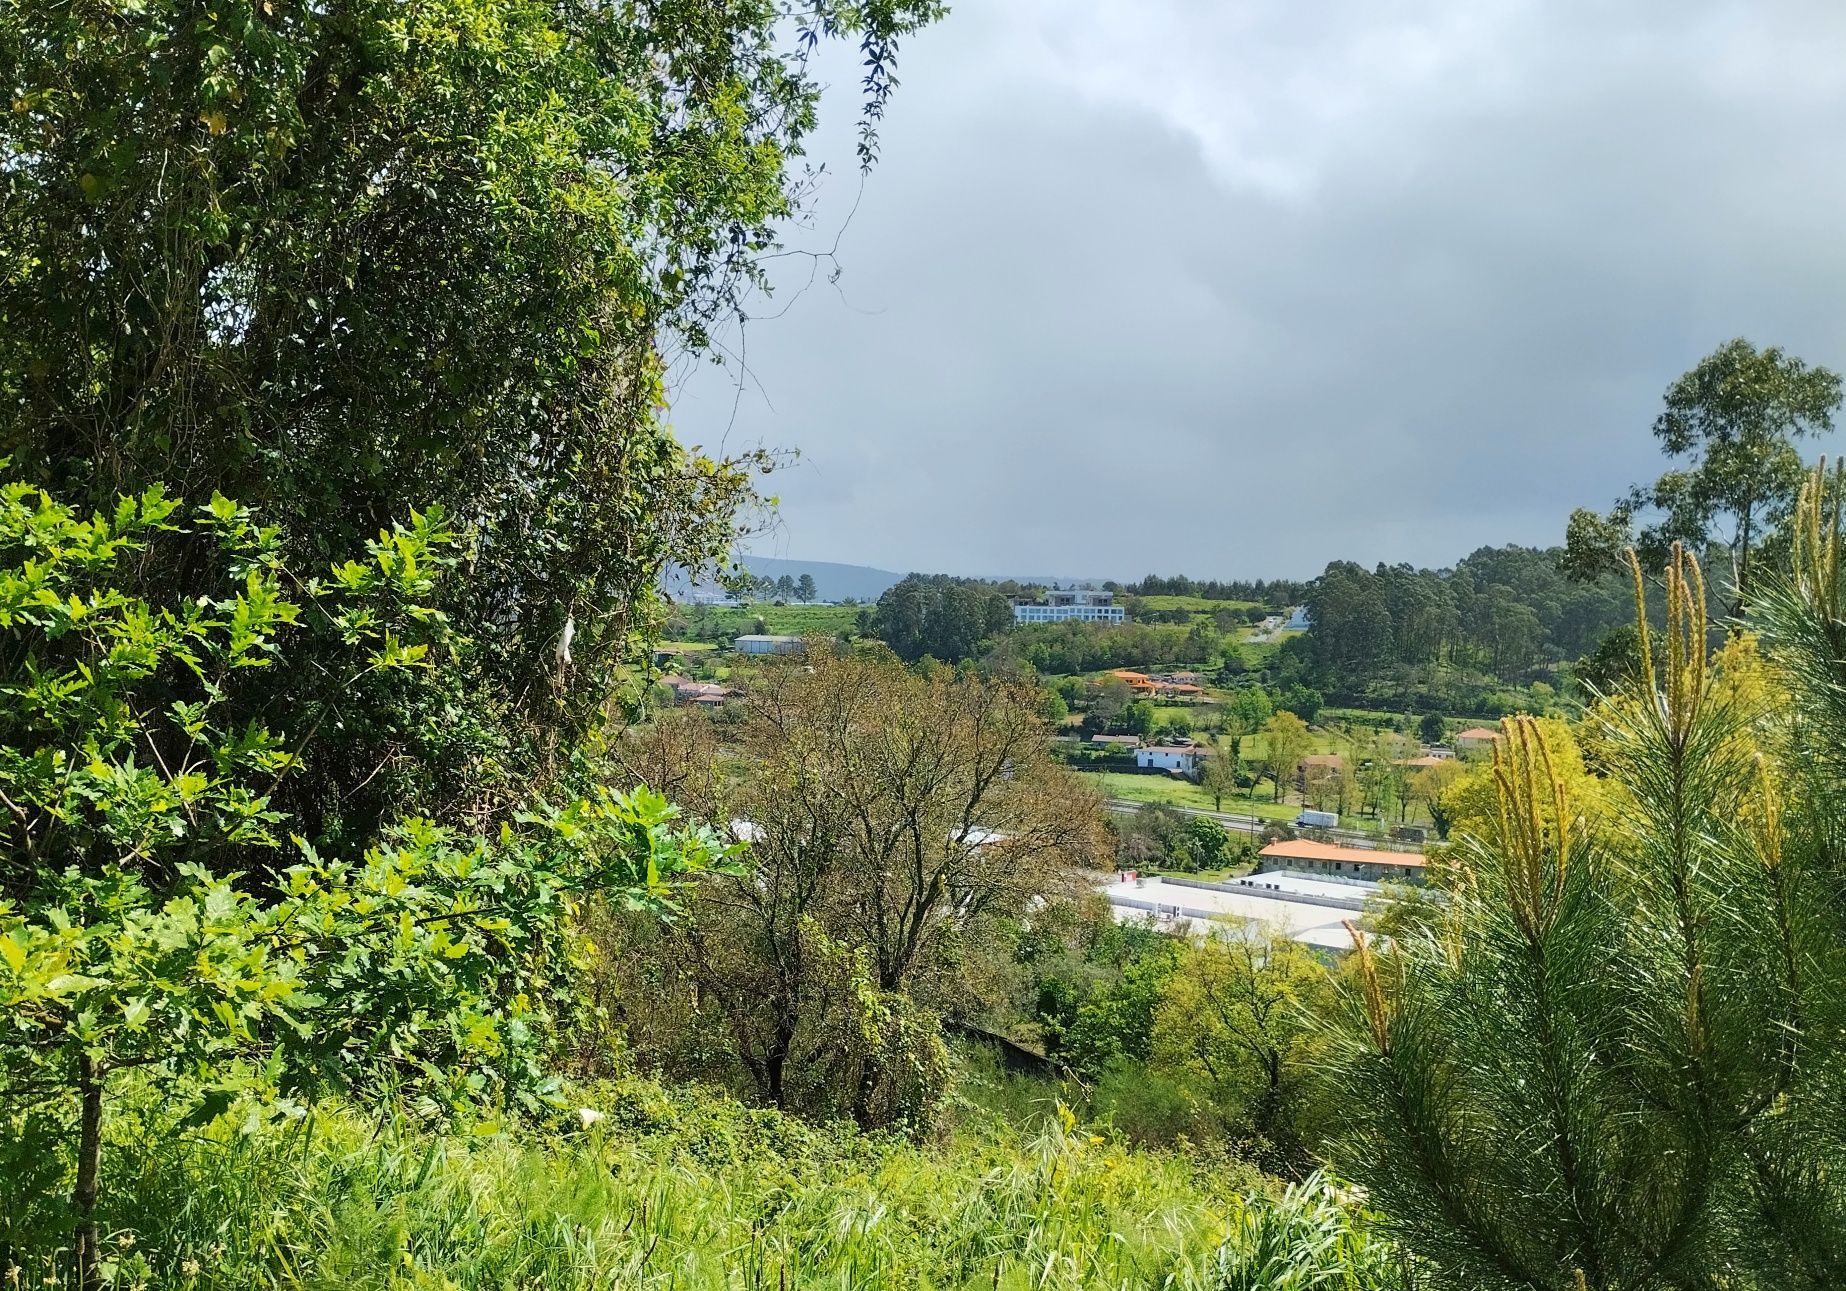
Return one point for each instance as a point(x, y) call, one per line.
point(1613, 1061)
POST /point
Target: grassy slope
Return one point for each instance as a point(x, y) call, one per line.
point(791, 620)
point(686, 1191)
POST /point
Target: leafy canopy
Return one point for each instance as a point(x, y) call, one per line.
point(347, 260)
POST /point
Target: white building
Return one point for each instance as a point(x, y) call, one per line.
point(1166, 757)
point(1214, 911)
point(769, 645)
point(1090, 607)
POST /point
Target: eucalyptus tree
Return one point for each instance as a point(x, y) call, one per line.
point(1735, 421)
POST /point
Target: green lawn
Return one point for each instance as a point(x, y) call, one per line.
point(780, 620)
point(1183, 793)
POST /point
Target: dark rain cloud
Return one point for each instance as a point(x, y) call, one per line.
point(1237, 290)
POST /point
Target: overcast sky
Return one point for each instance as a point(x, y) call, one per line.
point(1236, 287)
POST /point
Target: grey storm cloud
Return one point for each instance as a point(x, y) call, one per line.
point(1235, 290)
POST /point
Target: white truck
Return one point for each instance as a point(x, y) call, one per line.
point(1318, 820)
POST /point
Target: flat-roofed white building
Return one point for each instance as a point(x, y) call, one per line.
point(1232, 914)
point(1056, 607)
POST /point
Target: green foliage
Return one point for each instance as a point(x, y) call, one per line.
point(1285, 743)
point(1137, 718)
point(1303, 701)
point(1302, 1240)
point(1251, 705)
point(1208, 843)
point(1612, 662)
point(1610, 1059)
point(155, 918)
point(1735, 420)
point(1414, 638)
point(685, 1189)
point(346, 262)
point(942, 617)
point(722, 622)
point(901, 820)
point(1062, 649)
point(1094, 1019)
point(1234, 1024)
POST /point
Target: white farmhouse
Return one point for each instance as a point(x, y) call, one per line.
point(1167, 757)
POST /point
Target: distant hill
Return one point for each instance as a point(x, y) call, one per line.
point(832, 581)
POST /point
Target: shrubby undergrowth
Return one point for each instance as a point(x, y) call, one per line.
point(674, 1188)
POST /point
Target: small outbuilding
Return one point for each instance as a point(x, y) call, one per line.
point(758, 644)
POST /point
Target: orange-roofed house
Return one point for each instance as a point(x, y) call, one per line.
point(1310, 857)
point(1476, 739)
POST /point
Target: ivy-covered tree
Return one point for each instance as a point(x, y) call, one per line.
point(345, 260)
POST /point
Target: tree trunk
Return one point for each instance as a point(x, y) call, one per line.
point(862, 1097)
point(775, 1069)
point(1743, 556)
point(89, 1167)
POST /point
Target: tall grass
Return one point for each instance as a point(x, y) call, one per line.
point(684, 1191)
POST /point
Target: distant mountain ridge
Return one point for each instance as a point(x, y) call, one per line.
point(833, 581)
point(837, 581)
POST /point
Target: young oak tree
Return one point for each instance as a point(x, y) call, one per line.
point(890, 817)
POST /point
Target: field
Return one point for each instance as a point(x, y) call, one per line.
point(780, 620)
point(1256, 654)
point(1175, 792)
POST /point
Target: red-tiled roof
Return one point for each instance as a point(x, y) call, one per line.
point(1306, 849)
point(1478, 733)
